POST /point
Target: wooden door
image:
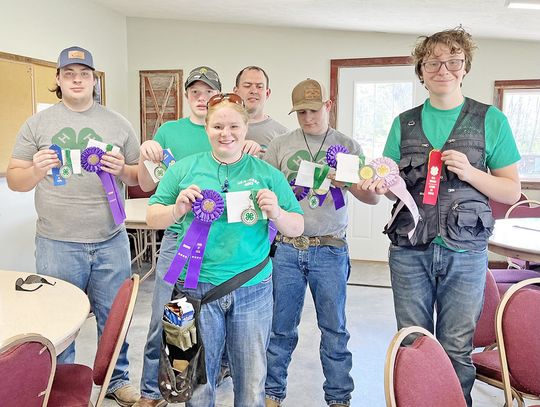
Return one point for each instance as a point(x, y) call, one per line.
point(161, 99)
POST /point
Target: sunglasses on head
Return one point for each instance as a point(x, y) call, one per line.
point(203, 73)
point(230, 97)
point(31, 279)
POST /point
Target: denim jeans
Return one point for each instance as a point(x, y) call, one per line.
point(241, 323)
point(99, 269)
point(453, 284)
point(162, 293)
point(326, 270)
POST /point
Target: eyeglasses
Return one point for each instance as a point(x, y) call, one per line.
point(73, 74)
point(451, 65)
point(231, 97)
point(31, 279)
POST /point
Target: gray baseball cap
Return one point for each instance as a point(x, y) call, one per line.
point(206, 75)
point(75, 55)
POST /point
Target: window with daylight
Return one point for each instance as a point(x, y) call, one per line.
point(520, 102)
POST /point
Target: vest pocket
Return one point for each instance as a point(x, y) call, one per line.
point(470, 220)
point(412, 170)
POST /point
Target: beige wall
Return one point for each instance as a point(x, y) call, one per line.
point(41, 29)
point(291, 55)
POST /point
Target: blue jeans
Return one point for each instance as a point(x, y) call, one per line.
point(453, 284)
point(326, 270)
point(99, 269)
point(162, 293)
point(241, 323)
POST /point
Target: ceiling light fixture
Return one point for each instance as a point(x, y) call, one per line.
point(523, 4)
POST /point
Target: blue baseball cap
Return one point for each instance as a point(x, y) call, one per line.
point(75, 55)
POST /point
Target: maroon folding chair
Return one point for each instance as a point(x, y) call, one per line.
point(517, 323)
point(420, 375)
point(27, 365)
point(72, 385)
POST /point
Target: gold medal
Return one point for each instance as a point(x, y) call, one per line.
point(320, 191)
point(366, 172)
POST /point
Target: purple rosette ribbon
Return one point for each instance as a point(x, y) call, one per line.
point(331, 159)
point(91, 162)
point(386, 169)
point(206, 210)
point(332, 152)
point(300, 192)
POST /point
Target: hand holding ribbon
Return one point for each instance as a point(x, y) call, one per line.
point(91, 162)
point(206, 209)
point(151, 150)
point(331, 159)
point(384, 174)
point(50, 159)
point(113, 163)
point(268, 202)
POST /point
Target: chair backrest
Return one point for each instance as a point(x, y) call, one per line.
point(27, 365)
point(518, 324)
point(420, 375)
point(499, 209)
point(529, 208)
point(484, 334)
point(135, 191)
point(114, 334)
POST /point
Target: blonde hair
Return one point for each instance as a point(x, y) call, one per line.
point(457, 40)
point(226, 103)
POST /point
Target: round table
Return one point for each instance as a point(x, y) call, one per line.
point(55, 311)
point(517, 237)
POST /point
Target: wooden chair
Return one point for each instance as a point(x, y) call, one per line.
point(420, 375)
point(27, 365)
point(515, 365)
point(72, 385)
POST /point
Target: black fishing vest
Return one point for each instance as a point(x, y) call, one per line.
point(461, 216)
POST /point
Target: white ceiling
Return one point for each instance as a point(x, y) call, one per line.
point(482, 18)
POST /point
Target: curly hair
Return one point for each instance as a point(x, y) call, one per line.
point(456, 39)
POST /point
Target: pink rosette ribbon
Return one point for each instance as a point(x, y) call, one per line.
point(206, 210)
point(386, 169)
point(91, 162)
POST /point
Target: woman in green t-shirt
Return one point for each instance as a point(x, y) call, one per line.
point(239, 321)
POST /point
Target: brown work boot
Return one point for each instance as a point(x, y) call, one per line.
point(144, 402)
point(271, 403)
point(125, 396)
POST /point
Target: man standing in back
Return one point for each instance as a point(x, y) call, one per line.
point(252, 84)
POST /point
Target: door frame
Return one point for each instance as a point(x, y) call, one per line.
point(336, 64)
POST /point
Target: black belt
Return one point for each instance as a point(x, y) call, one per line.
point(303, 242)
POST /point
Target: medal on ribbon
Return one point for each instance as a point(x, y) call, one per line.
point(386, 169)
point(57, 178)
point(66, 170)
point(168, 160)
point(91, 162)
point(206, 210)
point(331, 159)
point(253, 213)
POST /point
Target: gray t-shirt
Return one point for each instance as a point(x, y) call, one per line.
point(265, 131)
point(285, 153)
point(78, 211)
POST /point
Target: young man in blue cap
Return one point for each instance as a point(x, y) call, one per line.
point(77, 239)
